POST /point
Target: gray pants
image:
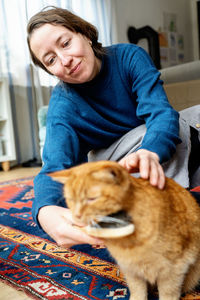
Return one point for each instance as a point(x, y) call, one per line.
point(177, 166)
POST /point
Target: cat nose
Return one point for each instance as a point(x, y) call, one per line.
point(77, 211)
point(78, 216)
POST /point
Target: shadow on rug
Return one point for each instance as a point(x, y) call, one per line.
point(32, 262)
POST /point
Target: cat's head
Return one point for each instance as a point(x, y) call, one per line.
point(95, 189)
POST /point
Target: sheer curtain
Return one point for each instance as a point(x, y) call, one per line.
point(26, 82)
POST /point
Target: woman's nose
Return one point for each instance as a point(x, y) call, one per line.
point(65, 60)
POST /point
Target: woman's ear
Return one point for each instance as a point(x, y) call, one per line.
point(88, 40)
point(60, 176)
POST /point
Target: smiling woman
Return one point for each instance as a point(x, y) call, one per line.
point(66, 54)
point(72, 25)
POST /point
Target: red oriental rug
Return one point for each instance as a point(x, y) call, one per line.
point(32, 262)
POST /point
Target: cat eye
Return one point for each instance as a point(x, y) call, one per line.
point(91, 199)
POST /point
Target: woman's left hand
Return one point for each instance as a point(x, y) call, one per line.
point(147, 163)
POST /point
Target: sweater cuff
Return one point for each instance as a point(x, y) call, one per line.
point(165, 148)
point(47, 192)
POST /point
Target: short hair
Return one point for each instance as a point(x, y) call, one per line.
point(59, 16)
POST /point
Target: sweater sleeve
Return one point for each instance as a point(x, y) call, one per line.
point(61, 151)
point(162, 121)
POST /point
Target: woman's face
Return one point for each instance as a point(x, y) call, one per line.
point(67, 55)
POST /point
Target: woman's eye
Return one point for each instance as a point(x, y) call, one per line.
point(51, 61)
point(65, 44)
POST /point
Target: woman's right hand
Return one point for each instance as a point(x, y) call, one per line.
point(58, 223)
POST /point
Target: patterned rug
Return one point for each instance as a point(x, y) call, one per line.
point(32, 262)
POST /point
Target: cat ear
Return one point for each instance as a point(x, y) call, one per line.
point(107, 174)
point(60, 176)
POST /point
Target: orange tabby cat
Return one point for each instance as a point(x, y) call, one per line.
point(164, 248)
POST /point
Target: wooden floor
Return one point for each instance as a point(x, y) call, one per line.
point(7, 292)
point(18, 172)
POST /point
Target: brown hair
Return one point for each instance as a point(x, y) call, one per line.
point(59, 16)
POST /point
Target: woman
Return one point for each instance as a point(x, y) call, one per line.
point(100, 106)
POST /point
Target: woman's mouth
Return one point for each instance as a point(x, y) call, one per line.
point(75, 69)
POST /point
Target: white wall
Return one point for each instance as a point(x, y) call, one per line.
point(139, 13)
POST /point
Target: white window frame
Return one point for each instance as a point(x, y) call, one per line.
point(195, 29)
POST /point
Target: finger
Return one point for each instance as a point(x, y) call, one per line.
point(144, 167)
point(79, 236)
point(68, 235)
point(133, 162)
point(66, 242)
point(161, 183)
point(154, 173)
point(123, 162)
point(130, 162)
point(70, 243)
point(69, 232)
point(157, 177)
point(83, 237)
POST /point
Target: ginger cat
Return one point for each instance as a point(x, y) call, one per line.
point(164, 248)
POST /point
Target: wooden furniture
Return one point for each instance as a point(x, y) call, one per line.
point(7, 142)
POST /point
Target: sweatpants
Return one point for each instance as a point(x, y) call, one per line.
point(184, 159)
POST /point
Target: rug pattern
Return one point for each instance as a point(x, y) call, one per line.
point(32, 262)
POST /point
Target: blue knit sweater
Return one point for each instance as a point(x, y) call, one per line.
point(125, 94)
